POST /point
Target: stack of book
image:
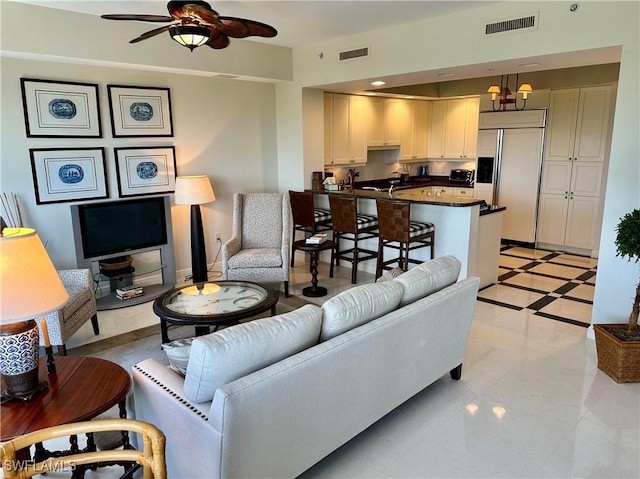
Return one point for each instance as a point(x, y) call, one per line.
point(317, 238)
point(129, 292)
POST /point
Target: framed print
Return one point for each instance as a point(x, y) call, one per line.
point(145, 170)
point(140, 111)
point(60, 109)
point(68, 174)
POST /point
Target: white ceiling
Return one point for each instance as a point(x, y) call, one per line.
point(297, 21)
point(310, 21)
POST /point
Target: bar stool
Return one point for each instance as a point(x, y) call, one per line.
point(306, 217)
point(349, 225)
point(397, 231)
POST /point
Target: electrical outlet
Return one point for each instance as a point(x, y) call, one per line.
point(219, 237)
point(442, 170)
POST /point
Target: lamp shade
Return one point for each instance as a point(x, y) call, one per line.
point(193, 190)
point(190, 36)
point(29, 283)
point(493, 89)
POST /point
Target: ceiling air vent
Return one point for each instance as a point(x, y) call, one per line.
point(528, 22)
point(356, 54)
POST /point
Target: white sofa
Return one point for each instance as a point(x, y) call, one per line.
point(252, 406)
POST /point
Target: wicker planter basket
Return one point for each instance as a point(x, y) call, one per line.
point(619, 359)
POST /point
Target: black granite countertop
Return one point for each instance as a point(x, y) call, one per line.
point(413, 182)
point(485, 209)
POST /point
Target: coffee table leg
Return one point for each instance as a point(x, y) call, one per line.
point(164, 330)
point(202, 330)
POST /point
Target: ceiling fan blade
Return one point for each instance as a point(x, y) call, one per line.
point(193, 9)
point(218, 40)
point(152, 33)
point(234, 27)
point(141, 18)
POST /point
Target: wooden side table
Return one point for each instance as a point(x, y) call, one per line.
point(313, 291)
point(79, 390)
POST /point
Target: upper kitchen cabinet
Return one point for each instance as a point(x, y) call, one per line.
point(344, 140)
point(453, 130)
point(384, 118)
point(578, 124)
point(414, 136)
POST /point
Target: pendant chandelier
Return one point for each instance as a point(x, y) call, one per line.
point(502, 94)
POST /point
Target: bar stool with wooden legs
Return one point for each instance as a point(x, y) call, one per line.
point(306, 217)
point(397, 231)
point(349, 225)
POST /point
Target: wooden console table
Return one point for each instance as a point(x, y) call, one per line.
point(79, 390)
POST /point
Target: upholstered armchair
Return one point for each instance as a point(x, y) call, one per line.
point(258, 251)
point(80, 308)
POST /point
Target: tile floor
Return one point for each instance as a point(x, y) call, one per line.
point(531, 402)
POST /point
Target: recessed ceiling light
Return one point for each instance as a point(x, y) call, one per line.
point(533, 64)
point(378, 83)
point(448, 74)
point(409, 97)
point(370, 93)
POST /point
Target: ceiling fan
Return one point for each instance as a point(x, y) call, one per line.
point(195, 23)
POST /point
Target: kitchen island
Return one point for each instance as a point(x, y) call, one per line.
point(464, 227)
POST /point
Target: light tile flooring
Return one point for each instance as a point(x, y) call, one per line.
point(553, 285)
point(531, 402)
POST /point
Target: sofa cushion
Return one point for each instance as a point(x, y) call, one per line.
point(178, 354)
point(234, 352)
point(256, 258)
point(357, 306)
point(428, 278)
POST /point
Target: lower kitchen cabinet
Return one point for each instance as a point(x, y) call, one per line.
point(568, 220)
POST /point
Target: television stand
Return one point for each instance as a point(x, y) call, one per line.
point(144, 274)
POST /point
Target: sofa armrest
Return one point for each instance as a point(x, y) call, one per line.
point(159, 399)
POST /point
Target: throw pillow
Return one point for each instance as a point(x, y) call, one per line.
point(428, 278)
point(178, 354)
point(234, 352)
point(390, 274)
point(357, 306)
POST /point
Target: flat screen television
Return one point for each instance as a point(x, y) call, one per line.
point(122, 226)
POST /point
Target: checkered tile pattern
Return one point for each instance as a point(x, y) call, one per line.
point(553, 284)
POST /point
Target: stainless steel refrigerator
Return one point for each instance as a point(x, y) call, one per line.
point(510, 145)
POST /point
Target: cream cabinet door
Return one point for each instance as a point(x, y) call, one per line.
point(561, 128)
point(455, 132)
point(357, 128)
point(552, 218)
point(328, 128)
point(581, 222)
point(592, 124)
point(415, 131)
point(556, 177)
point(586, 178)
point(341, 134)
point(393, 119)
point(471, 128)
point(437, 128)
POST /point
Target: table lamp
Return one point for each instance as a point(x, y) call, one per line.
point(195, 191)
point(29, 287)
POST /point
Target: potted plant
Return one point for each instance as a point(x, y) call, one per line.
point(618, 345)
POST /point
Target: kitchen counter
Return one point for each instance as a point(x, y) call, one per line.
point(466, 228)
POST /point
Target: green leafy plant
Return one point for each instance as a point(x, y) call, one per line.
point(628, 245)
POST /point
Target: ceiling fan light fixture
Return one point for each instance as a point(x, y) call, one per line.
point(190, 36)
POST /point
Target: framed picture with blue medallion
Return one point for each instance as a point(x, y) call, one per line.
point(145, 170)
point(60, 109)
point(68, 174)
point(140, 111)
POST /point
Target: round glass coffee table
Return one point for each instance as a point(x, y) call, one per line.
point(223, 303)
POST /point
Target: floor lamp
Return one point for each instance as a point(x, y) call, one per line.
point(195, 191)
point(29, 287)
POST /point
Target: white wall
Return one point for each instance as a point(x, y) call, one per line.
point(222, 128)
point(458, 40)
